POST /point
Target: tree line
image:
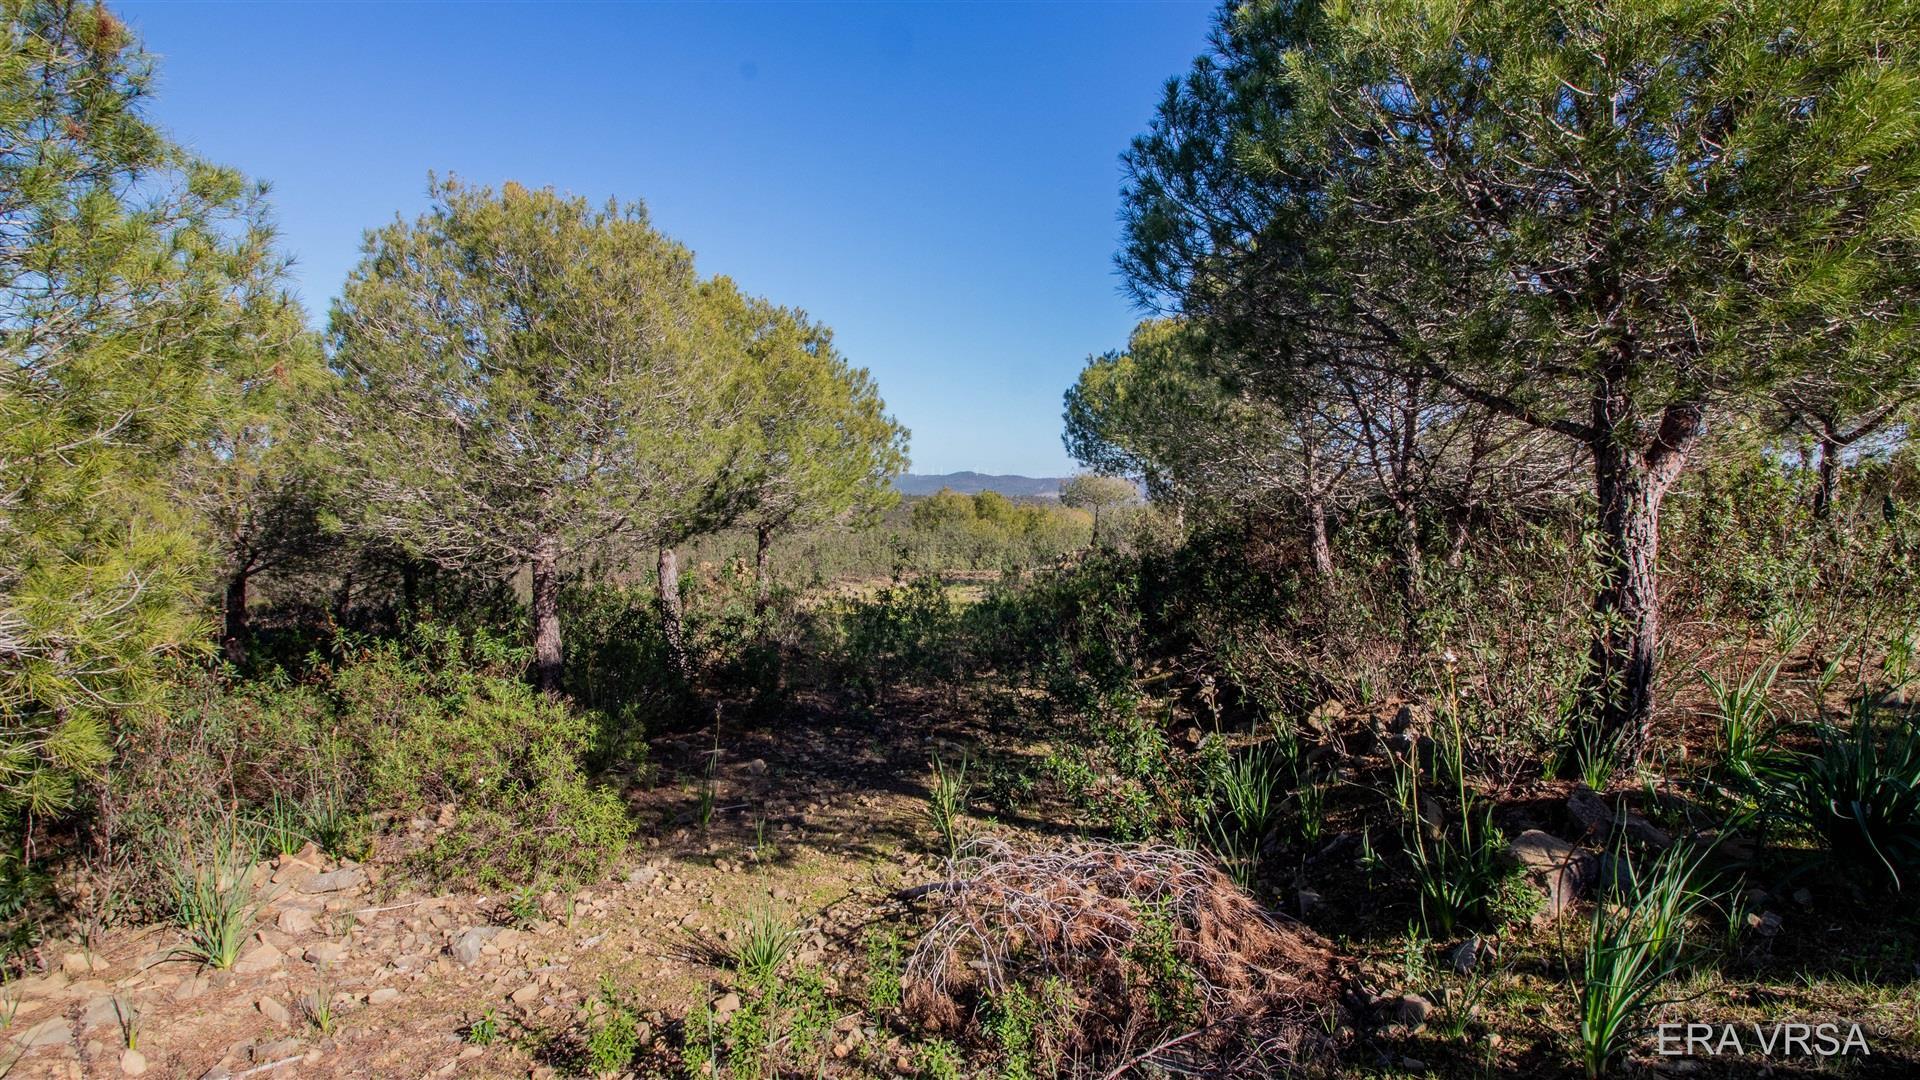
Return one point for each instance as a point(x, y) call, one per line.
point(1449, 260)
point(513, 381)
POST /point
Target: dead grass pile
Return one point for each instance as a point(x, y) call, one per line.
point(1141, 952)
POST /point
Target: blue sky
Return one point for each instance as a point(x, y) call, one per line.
point(937, 182)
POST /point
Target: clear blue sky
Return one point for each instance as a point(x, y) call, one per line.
point(937, 182)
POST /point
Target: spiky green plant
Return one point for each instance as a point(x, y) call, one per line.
point(1744, 714)
point(1859, 790)
point(213, 900)
point(766, 940)
point(947, 796)
point(1634, 943)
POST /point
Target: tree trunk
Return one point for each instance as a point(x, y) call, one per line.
point(1829, 476)
point(546, 615)
point(762, 567)
point(1630, 484)
point(672, 619)
point(234, 638)
point(1317, 545)
point(1407, 555)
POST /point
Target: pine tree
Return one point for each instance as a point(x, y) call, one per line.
point(135, 282)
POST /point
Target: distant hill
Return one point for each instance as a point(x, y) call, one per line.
point(972, 483)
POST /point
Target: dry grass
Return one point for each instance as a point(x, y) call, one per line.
point(1125, 929)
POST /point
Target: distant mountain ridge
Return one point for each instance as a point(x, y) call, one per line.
point(972, 483)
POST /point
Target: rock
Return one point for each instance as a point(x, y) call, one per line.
point(335, 881)
point(1411, 1010)
point(274, 1011)
point(54, 1031)
point(466, 948)
point(1411, 716)
point(382, 996)
point(82, 962)
point(296, 921)
point(526, 995)
point(262, 957)
point(325, 953)
point(1561, 871)
point(1325, 715)
point(727, 1005)
point(1600, 820)
point(38, 985)
point(1466, 955)
point(133, 1063)
point(190, 988)
point(106, 1010)
point(278, 1050)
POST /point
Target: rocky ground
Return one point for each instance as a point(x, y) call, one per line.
point(407, 973)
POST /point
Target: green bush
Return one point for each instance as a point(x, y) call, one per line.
point(1858, 790)
point(435, 715)
point(446, 718)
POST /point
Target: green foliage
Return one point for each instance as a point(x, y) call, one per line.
point(1459, 866)
point(317, 1008)
point(1028, 1028)
point(615, 1034)
point(947, 796)
point(1858, 790)
point(885, 956)
point(484, 1031)
point(1633, 945)
point(1171, 989)
point(213, 898)
point(780, 1027)
point(140, 290)
point(433, 717)
point(1744, 714)
point(938, 1059)
point(766, 941)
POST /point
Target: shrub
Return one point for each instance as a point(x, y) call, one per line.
point(1859, 790)
point(436, 715)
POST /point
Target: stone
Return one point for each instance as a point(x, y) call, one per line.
point(324, 953)
point(468, 947)
point(54, 1031)
point(296, 921)
point(261, 958)
point(335, 881)
point(278, 1050)
point(105, 1011)
point(526, 995)
point(1411, 1010)
point(82, 962)
point(1600, 820)
point(190, 988)
point(382, 996)
point(1561, 871)
point(273, 1010)
point(38, 985)
point(1326, 715)
point(1466, 955)
point(133, 1063)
